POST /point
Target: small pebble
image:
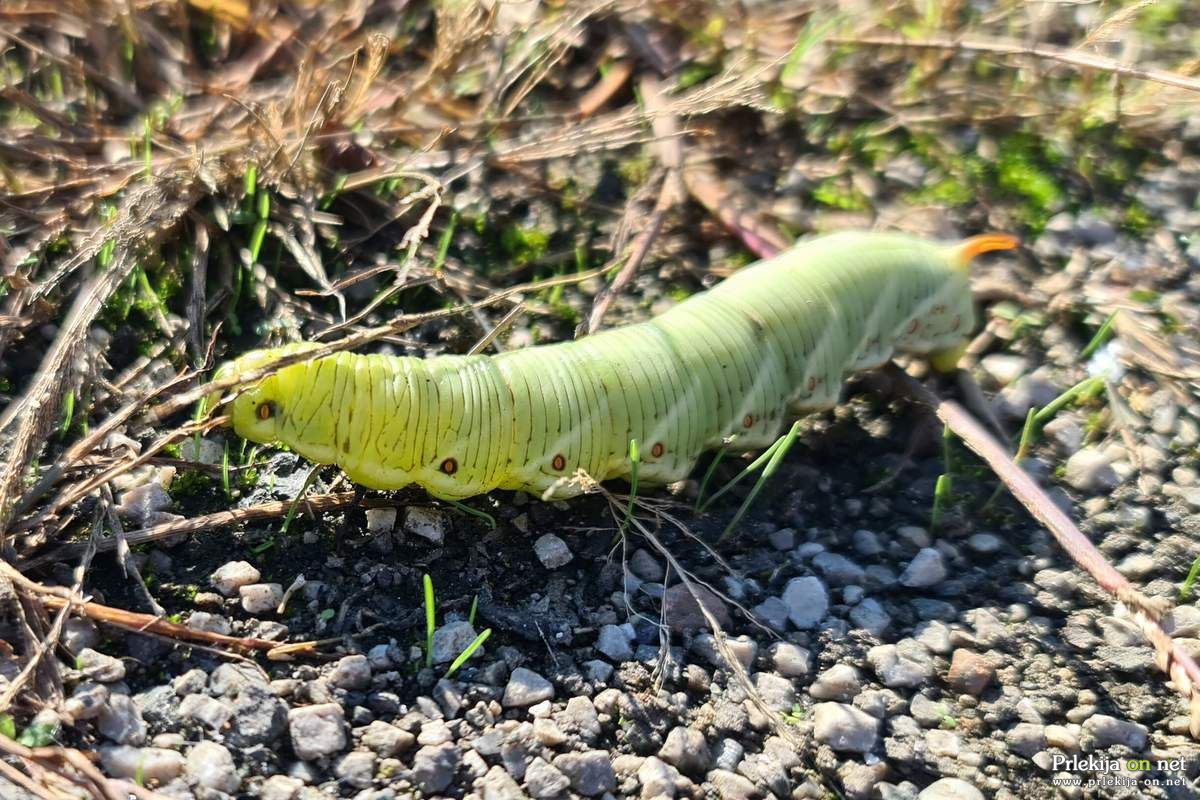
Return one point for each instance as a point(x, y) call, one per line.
point(232, 576)
point(552, 551)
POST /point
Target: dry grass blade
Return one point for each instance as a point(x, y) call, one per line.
point(1146, 611)
point(1072, 58)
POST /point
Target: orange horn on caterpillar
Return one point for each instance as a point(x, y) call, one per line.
point(976, 246)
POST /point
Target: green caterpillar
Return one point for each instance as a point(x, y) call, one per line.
point(722, 368)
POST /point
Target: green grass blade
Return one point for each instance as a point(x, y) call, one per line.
point(430, 618)
point(1085, 388)
point(941, 500)
point(474, 512)
point(754, 466)
point(1185, 588)
point(308, 479)
point(474, 608)
point(778, 450)
point(1102, 336)
point(468, 652)
point(634, 459)
point(708, 474)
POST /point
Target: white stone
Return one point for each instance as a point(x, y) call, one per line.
point(261, 598)
point(232, 576)
point(380, 520)
point(151, 763)
point(428, 523)
point(844, 727)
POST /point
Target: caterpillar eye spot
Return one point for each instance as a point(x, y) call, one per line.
point(449, 466)
point(559, 463)
point(265, 410)
point(748, 421)
point(657, 450)
point(912, 326)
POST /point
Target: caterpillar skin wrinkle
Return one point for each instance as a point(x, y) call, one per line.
point(724, 368)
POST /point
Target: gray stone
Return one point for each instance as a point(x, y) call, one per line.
point(280, 787)
point(387, 740)
point(86, 701)
point(682, 612)
point(428, 523)
point(926, 569)
point(807, 601)
point(1090, 470)
point(261, 598)
point(99, 667)
point(791, 660)
point(657, 778)
point(210, 623)
point(317, 731)
point(206, 710)
point(870, 616)
point(743, 648)
point(844, 727)
point(121, 721)
point(356, 768)
point(727, 754)
point(591, 772)
point(905, 664)
point(731, 786)
point(142, 503)
point(351, 672)
point(839, 682)
point(1026, 739)
point(552, 551)
point(837, 569)
point(150, 763)
point(686, 749)
point(497, 784)
point(544, 781)
point(773, 613)
point(783, 539)
point(451, 639)
point(615, 643)
point(525, 687)
point(645, 566)
point(258, 717)
point(776, 692)
point(579, 719)
point(928, 713)
point(210, 765)
point(1105, 731)
point(950, 789)
point(232, 576)
point(1004, 368)
point(434, 767)
point(79, 633)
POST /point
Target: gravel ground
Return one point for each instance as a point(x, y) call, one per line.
point(954, 663)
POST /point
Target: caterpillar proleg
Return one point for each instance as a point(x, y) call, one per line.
point(777, 337)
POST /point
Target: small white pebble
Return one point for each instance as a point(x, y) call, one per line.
point(261, 598)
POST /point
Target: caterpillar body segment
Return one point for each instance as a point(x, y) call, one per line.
point(722, 368)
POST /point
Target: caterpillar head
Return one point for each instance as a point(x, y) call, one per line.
point(257, 411)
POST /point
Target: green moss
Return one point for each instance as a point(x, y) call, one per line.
point(190, 484)
point(696, 72)
point(945, 192)
point(1023, 171)
point(1137, 220)
point(524, 245)
point(636, 169)
point(840, 194)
